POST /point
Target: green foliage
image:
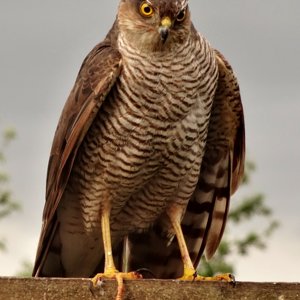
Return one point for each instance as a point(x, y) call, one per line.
point(219, 264)
point(26, 269)
point(241, 214)
point(248, 208)
point(7, 204)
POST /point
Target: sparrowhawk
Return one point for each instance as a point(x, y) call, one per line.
point(150, 145)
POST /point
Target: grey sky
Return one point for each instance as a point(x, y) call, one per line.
point(42, 45)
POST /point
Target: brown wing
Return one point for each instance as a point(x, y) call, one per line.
point(222, 168)
point(96, 77)
point(221, 171)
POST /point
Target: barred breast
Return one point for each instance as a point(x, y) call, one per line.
point(145, 147)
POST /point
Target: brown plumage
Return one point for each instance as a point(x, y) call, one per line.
point(151, 134)
point(221, 171)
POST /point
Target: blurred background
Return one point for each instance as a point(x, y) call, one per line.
point(42, 45)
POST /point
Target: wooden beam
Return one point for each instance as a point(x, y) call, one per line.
point(12, 288)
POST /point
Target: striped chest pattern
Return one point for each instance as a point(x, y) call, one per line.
point(150, 132)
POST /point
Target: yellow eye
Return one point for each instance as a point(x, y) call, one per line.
point(181, 15)
point(146, 10)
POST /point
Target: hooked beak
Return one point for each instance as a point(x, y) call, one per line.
point(164, 28)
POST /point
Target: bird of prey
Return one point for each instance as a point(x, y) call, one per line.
point(147, 152)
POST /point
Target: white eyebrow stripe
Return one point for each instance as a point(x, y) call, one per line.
point(184, 3)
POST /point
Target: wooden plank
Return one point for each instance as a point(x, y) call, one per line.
point(61, 288)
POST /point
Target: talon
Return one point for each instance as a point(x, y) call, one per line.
point(219, 277)
point(192, 275)
point(224, 277)
point(195, 275)
point(97, 280)
point(145, 273)
point(233, 281)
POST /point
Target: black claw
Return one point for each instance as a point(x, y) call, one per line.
point(92, 289)
point(195, 276)
point(233, 281)
point(146, 273)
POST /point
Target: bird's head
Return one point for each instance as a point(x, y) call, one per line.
point(154, 25)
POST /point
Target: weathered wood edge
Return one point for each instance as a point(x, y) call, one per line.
point(12, 288)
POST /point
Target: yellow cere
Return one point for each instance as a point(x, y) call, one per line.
point(166, 22)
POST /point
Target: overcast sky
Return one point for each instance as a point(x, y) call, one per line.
point(42, 45)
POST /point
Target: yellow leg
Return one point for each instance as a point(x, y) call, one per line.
point(189, 272)
point(188, 268)
point(109, 265)
point(110, 270)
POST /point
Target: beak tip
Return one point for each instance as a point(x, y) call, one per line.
point(164, 33)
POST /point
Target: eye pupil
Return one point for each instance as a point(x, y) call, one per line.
point(147, 10)
point(181, 16)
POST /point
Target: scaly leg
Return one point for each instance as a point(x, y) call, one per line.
point(189, 272)
point(110, 270)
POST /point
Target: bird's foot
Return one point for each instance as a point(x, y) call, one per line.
point(119, 276)
point(191, 274)
point(227, 277)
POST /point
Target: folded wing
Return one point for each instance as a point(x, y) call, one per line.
point(95, 79)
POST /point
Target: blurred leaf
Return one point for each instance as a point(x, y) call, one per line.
point(2, 245)
point(26, 269)
point(3, 178)
point(249, 208)
point(249, 169)
point(273, 226)
point(9, 134)
point(215, 266)
point(224, 248)
point(7, 204)
point(251, 240)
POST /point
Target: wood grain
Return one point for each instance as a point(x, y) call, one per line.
point(12, 288)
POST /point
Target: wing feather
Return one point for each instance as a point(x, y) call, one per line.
point(223, 164)
point(96, 77)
